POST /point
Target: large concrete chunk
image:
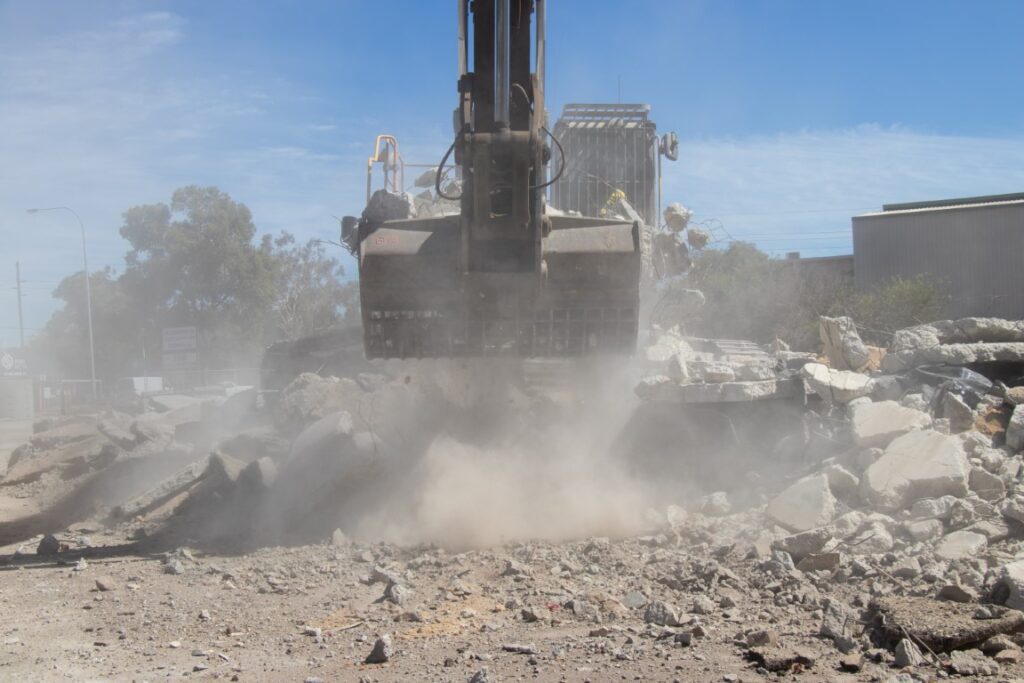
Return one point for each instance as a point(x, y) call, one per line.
point(940, 625)
point(310, 397)
point(1010, 585)
point(1015, 430)
point(164, 491)
point(987, 485)
point(805, 505)
point(919, 464)
point(842, 344)
point(877, 424)
point(956, 342)
point(835, 386)
point(117, 427)
point(960, 544)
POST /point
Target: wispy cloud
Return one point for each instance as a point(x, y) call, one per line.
point(117, 112)
point(113, 115)
point(794, 189)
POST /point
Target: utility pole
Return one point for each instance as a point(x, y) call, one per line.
point(88, 294)
point(21, 318)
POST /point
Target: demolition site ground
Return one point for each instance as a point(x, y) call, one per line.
point(717, 512)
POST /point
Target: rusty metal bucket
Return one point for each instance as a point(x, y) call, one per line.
point(418, 301)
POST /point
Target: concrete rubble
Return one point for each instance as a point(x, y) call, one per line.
point(873, 526)
point(956, 342)
point(920, 469)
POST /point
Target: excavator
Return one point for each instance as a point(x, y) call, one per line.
point(506, 276)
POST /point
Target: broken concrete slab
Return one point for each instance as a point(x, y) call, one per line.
point(923, 530)
point(956, 342)
point(661, 613)
point(805, 505)
point(838, 621)
point(877, 424)
point(956, 410)
point(841, 481)
point(803, 544)
point(64, 432)
point(907, 654)
point(820, 562)
point(873, 537)
point(987, 485)
point(994, 530)
point(919, 464)
point(117, 427)
point(1015, 430)
point(960, 544)
point(933, 508)
point(956, 354)
point(941, 625)
point(664, 388)
point(1009, 589)
point(887, 387)
point(151, 427)
point(311, 397)
point(835, 386)
point(166, 489)
point(714, 373)
point(972, 663)
point(28, 465)
point(842, 344)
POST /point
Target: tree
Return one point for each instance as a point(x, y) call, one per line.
point(65, 339)
point(198, 262)
point(194, 263)
point(897, 304)
point(311, 295)
point(748, 294)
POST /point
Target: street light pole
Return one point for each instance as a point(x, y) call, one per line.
point(21, 318)
point(88, 292)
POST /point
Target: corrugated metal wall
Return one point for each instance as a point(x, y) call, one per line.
point(607, 147)
point(976, 251)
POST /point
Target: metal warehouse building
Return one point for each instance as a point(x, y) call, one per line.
point(974, 246)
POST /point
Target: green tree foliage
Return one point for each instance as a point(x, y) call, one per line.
point(750, 295)
point(310, 290)
point(194, 263)
point(897, 304)
point(65, 339)
point(197, 261)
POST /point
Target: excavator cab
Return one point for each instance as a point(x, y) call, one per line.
point(506, 276)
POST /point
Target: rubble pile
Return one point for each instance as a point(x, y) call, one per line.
point(912, 488)
point(881, 530)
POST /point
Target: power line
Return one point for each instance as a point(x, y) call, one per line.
point(785, 239)
point(778, 234)
point(799, 211)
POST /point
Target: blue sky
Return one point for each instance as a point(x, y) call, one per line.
point(793, 116)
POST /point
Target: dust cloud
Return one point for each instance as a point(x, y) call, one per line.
point(470, 454)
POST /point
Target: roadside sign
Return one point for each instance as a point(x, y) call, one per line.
point(179, 339)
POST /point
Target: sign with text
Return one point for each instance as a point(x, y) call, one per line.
point(177, 339)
